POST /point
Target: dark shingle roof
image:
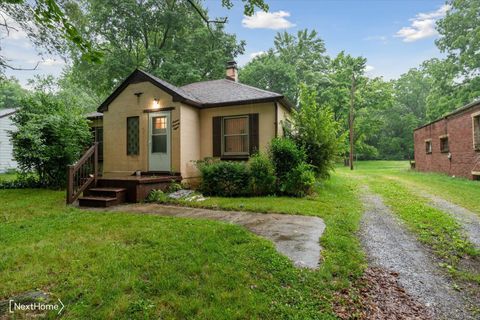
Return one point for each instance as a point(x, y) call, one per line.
point(223, 91)
point(215, 93)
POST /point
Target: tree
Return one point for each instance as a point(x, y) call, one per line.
point(50, 135)
point(293, 60)
point(11, 93)
point(316, 132)
point(166, 38)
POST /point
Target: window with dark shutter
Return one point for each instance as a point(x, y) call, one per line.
point(428, 146)
point(476, 132)
point(133, 129)
point(444, 148)
point(235, 135)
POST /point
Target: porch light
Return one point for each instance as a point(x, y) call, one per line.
point(156, 103)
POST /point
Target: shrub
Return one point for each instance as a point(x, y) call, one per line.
point(262, 175)
point(21, 181)
point(299, 181)
point(156, 196)
point(174, 186)
point(316, 132)
point(50, 135)
point(285, 155)
point(224, 178)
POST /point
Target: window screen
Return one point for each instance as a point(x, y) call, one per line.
point(428, 146)
point(476, 132)
point(235, 135)
point(133, 135)
point(444, 144)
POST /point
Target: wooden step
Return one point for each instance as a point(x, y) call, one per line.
point(119, 193)
point(97, 202)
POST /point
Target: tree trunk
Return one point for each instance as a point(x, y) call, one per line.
point(351, 119)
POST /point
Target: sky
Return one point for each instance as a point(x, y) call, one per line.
point(394, 35)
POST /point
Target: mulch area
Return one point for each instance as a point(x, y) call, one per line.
point(378, 295)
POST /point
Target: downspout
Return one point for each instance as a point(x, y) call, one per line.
point(275, 104)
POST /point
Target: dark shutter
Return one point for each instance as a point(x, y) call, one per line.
point(253, 134)
point(217, 136)
point(133, 135)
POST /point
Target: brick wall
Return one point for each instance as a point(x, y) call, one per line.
point(458, 127)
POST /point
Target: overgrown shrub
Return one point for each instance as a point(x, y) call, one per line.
point(50, 135)
point(262, 175)
point(316, 131)
point(22, 181)
point(299, 181)
point(224, 178)
point(285, 155)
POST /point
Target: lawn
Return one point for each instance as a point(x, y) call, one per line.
point(131, 266)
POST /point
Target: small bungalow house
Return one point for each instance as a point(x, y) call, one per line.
point(6, 149)
point(152, 129)
point(451, 145)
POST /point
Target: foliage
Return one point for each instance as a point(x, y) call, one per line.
point(174, 186)
point(50, 135)
point(224, 178)
point(294, 59)
point(299, 181)
point(11, 93)
point(21, 181)
point(167, 38)
point(316, 132)
point(285, 155)
point(157, 196)
point(262, 175)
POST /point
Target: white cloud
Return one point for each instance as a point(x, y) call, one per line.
point(256, 54)
point(268, 20)
point(52, 62)
point(369, 68)
point(423, 25)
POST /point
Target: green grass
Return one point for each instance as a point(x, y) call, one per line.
point(132, 266)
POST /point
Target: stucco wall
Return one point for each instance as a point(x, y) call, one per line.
point(282, 115)
point(127, 104)
point(266, 124)
point(6, 148)
point(189, 141)
point(464, 159)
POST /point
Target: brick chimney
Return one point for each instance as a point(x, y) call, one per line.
point(231, 71)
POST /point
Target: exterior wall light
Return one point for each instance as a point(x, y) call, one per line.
point(156, 103)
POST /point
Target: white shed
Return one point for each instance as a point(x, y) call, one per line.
point(6, 148)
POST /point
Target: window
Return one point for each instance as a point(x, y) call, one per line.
point(133, 136)
point(428, 146)
point(476, 132)
point(159, 134)
point(444, 144)
point(235, 136)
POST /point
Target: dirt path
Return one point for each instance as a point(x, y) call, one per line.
point(295, 236)
point(469, 221)
point(388, 245)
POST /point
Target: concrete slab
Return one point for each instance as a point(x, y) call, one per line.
point(297, 237)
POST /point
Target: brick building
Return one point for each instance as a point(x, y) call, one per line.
point(451, 145)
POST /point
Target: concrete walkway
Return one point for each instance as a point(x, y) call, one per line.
point(297, 237)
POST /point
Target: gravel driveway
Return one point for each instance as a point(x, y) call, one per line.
point(469, 221)
point(389, 245)
point(295, 236)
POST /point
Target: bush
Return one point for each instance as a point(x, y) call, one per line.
point(22, 181)
point(316, 132)
point(285, 155)
point(262, 175)
point(156, 196)
point(50, 135)
point(224, 178)
point(299, 181)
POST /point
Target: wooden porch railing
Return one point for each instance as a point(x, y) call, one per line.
point(81, 174)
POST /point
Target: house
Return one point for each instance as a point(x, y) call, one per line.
point(155, 130)
point(451, 145)
point(6, 148)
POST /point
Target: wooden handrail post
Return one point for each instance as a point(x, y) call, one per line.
point(69, 183)
point(95, 157)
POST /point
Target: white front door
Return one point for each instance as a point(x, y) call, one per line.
point(159, 141)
